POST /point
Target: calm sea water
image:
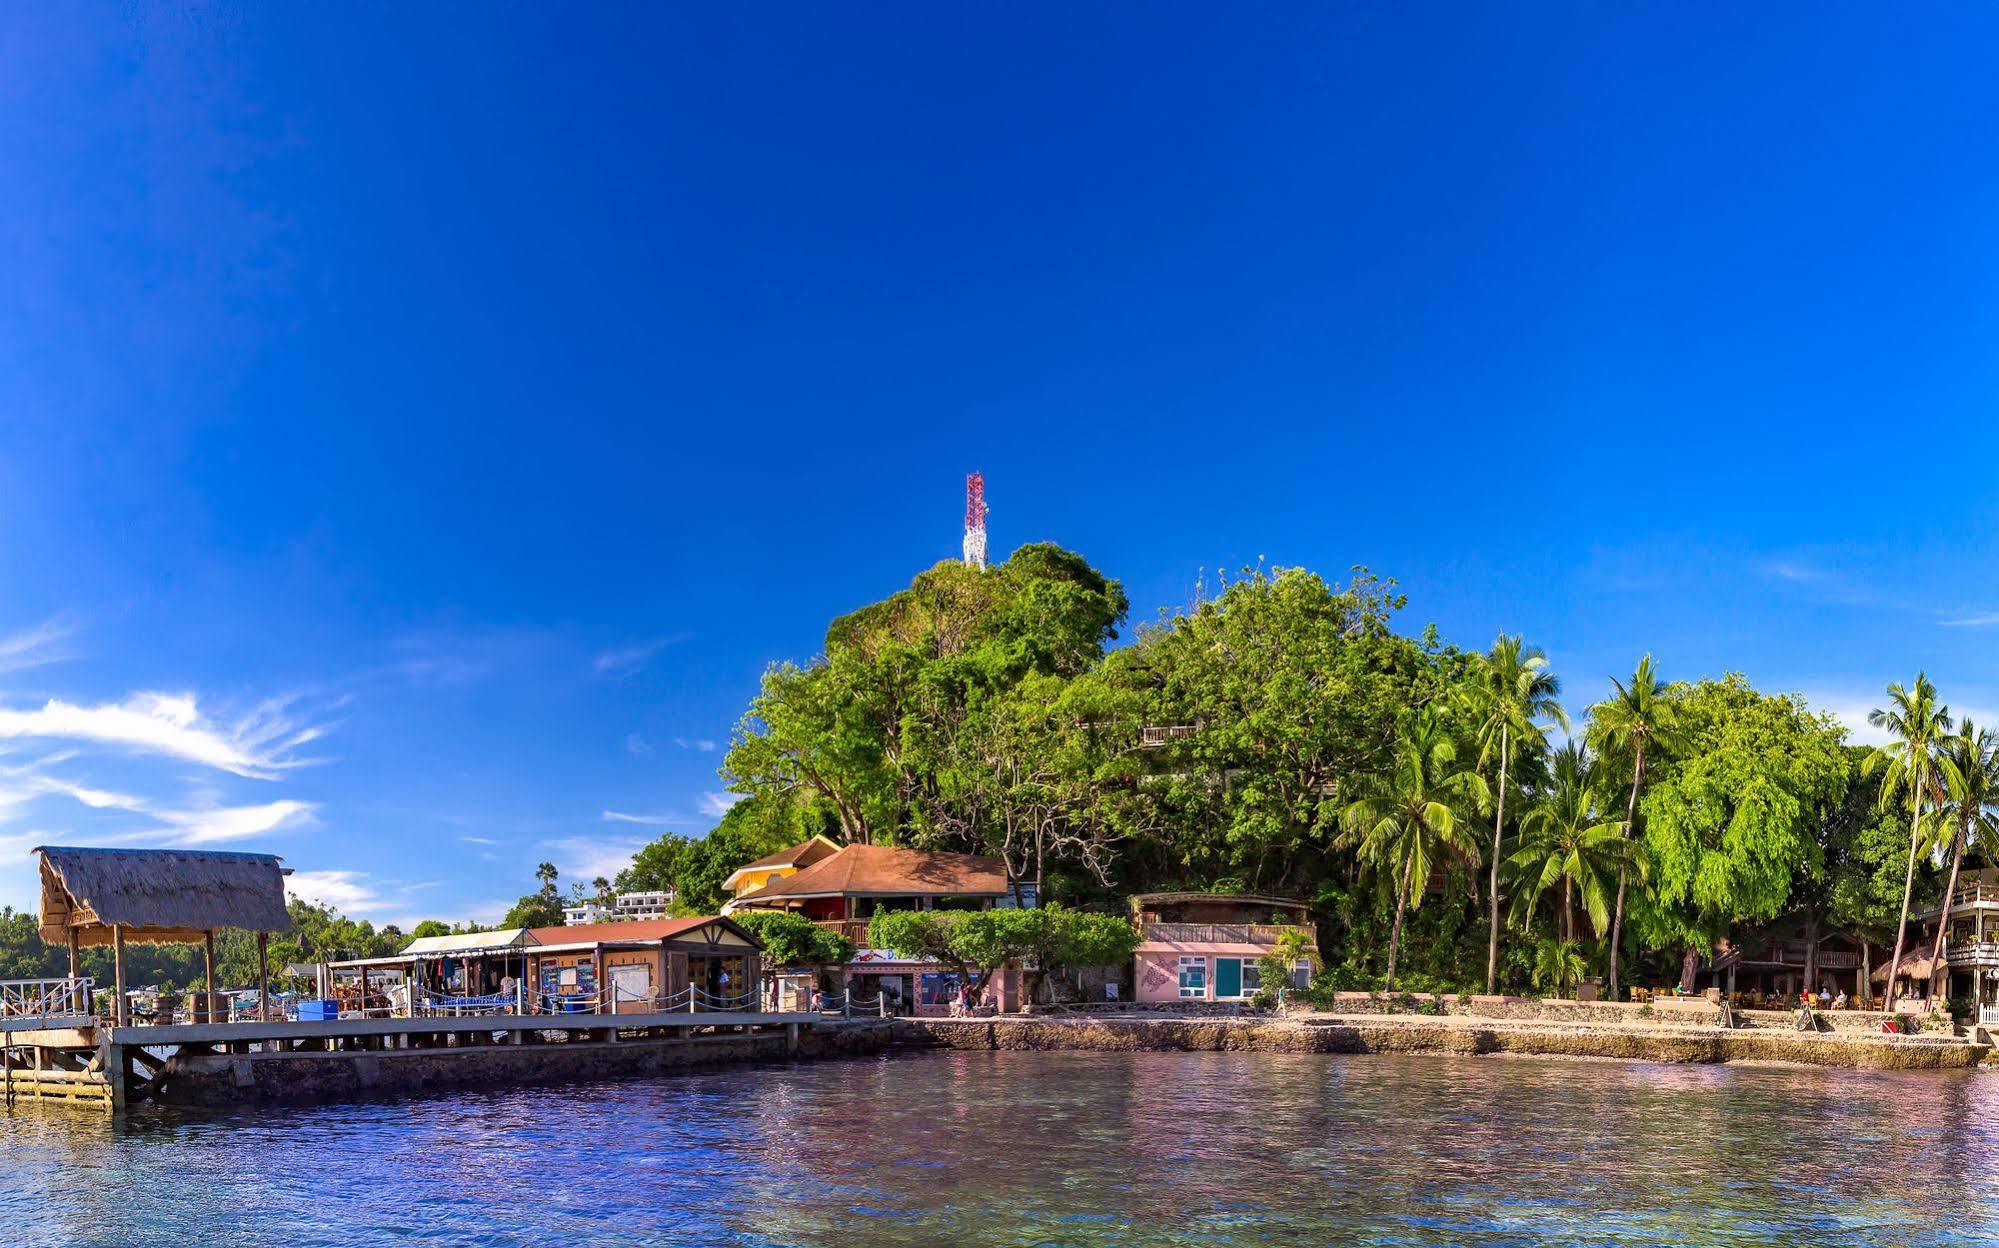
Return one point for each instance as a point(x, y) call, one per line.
point(1056, 1148)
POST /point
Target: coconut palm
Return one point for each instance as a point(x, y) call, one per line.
point(1511, 690)
point(1558, 962)
point(1565, 839)
point(1636, 722)
point(1407, 821)
point(1919, 726)
point(1969, 769)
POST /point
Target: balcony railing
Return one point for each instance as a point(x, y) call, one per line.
point(855, 930)
point(1969, 894)
point(1224, 933)
point(1972, 953)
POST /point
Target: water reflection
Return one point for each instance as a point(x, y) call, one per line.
point(1084, 1149)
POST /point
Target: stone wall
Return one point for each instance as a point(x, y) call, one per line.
point(1443, 1036)
point(1679, 1011)
point(221, 1079)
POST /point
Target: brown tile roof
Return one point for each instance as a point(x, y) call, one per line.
point(798, 855)
point(631, 929)
point(882, 871)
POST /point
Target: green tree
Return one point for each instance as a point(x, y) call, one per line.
point(1408, 820)
point(1274, 968)
point(1265, 702)
point(1511, 691)
point(794, 940)
point(1632, 724)
point(1729, 819)
point(429, 928)
point(973, 943)
point(1919, 725)
point(1566, 840)
point(873, 727)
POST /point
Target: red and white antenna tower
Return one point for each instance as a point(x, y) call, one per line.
point(975, 520)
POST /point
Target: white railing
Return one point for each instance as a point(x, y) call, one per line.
point(45, 998)
point(1988, 1015)
point(431, 1005)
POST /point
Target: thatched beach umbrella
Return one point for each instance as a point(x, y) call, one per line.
point(97, 897)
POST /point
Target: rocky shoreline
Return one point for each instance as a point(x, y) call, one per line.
point(1456, 1035)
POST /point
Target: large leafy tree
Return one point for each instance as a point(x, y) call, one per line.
point(1511, 692)
point(1918, 726)
point(976, 944)
point(1729, 818)
point(1631, 725)
point(876, 727)
point(1412, 818)
point(1272, 696)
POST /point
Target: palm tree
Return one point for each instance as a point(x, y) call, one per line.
point(1511, 688)
point(1970, 773)
point(1407, 821)
point(1635, 721)
point(1919, 725)
point(1564, 839)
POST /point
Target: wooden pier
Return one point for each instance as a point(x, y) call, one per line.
point(89, 1062)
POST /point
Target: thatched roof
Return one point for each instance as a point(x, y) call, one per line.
point(1916, 966)
point(159, 896)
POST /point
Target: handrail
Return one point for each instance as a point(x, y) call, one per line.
point(46, 998)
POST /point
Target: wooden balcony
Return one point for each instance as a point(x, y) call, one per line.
point(1979, 953)
point(855, 930)
point(1224, 933)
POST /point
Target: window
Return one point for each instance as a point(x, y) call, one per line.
point(1252, 977)
point(1301, 976)
point(1193, 976)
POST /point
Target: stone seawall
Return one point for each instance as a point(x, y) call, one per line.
point(227, 1079)
point(1443, 1036)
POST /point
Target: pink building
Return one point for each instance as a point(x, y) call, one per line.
point(1205, 946)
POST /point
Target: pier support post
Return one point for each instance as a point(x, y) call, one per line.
point(120, 1014)
point(264, 976)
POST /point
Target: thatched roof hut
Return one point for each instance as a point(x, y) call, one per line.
point(158, 896)
point(1915, 966)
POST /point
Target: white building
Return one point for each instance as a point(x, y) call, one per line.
point(625, 908)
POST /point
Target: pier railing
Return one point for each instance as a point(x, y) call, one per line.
point(45, 998)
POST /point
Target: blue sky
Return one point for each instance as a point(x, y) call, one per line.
point(419, 428)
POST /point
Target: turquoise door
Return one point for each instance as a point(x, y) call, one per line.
point(1228, 977)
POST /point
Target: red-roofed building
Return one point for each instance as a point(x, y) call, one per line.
point(643, 966)
point(843, 890)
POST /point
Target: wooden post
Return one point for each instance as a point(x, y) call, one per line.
point(264, 977)
point(603, 987)
point(207, 1014)
point(75, 957)
point(119, 1013)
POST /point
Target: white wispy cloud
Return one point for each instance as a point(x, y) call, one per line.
point(1794, 571)
point(585, 858)
point(702, 744)
point(718, 804)
point(168, 725)
point(478, 840)
point(236, 823)
point(619, 816)
point(346, 891)
point(35, 646)
point(625, 660)
point(1978, 619)
point(638, 745)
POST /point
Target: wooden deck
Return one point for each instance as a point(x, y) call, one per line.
point(80, 1060)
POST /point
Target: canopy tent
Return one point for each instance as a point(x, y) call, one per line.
point(97, 897)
